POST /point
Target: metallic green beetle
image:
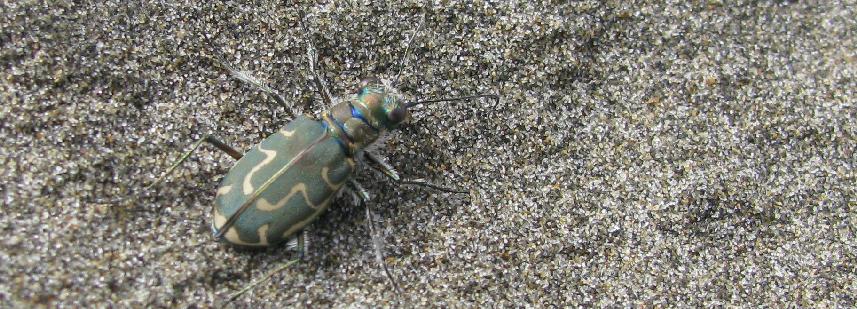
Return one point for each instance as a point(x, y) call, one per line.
point(290, 178)
point(286, 181)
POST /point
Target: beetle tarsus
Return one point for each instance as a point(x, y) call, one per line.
point(425, 183)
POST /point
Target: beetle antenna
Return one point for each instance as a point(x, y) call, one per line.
point(492, 96)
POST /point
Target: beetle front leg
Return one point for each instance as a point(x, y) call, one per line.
point(379, 165)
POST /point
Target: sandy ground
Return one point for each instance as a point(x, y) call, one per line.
point(642, 154)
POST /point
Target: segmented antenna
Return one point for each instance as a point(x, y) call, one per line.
point(493, 96)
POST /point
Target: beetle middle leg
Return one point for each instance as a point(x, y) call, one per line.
point(377, 243)
point(312, 55)
point(254, 82)
point(312, 58)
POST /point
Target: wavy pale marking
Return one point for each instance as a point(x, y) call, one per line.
point(298, 226)
point(219, 220)
point(269, 156)
point(324, 177)
point(232, 234)
point(263, 204)
point(287, 133)
point(223, 190)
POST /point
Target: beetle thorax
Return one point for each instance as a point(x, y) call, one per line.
point(360, 120)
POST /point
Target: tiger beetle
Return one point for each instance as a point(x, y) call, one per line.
point(286, 181)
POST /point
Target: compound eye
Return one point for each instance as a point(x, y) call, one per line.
point(397, 115)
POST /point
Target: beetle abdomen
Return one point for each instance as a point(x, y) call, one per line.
point(281, 185)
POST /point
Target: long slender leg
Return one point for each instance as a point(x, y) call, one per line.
point(377, 243)
point(207, 138)
point(379, 165)
point(312, 58)
point(255, 83)
point(264, 278)
point(319, 82)
point(408, 49)
point(299, 242)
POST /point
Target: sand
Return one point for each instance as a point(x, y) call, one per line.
point(658, 154)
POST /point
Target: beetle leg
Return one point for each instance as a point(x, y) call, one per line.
point(312, 59)
point(264, 278)
point(245, 77)
point(255, 83)
point(300, 242)
point(379, 165)
point(207, 138)
point(312, 55)
point(377, 243)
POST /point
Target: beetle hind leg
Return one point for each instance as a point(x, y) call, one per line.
point(299, 242)
point(207, 138)
point(264, 278)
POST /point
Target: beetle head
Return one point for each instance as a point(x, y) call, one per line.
point(382, 104)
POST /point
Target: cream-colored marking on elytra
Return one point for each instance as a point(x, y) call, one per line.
point(219, 220)
point(232, 236)
point(287, 133)
point(329, 183)
point(265, 205)
point(223, 190)
point(333, 186)
point(269, 156)
point(252, 199)
point(298, 226)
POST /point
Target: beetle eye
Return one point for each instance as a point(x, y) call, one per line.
point(397, 115)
